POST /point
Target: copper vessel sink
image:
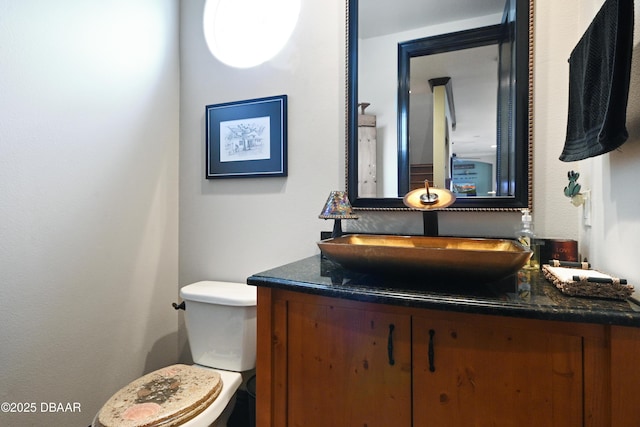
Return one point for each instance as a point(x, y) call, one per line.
point(443, 257)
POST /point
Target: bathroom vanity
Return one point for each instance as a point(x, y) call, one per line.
point(339, 348)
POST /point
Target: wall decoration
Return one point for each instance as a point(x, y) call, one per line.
point(247, 138)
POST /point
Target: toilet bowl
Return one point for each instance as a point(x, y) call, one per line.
point(220, 320)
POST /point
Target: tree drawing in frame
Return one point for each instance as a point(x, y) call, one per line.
point(245, 139)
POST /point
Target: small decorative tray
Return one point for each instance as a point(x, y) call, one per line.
point(576, 279)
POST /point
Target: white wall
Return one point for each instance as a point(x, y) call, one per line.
point(229, 228)
point(88, 191)
point(556, 34)
point(88, 200)
point(232, 228)
point(612, 240)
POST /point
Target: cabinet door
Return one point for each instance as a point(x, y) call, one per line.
point(347, 367)
point(477, 373)
point(625, 372)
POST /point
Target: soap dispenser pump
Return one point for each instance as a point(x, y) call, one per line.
point(526, 237)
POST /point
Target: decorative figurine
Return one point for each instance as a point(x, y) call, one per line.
point(573, 189)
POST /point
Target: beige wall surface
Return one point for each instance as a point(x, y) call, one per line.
point(88, 202)
point(102, 144)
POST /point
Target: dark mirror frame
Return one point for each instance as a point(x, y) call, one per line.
point(523, 197)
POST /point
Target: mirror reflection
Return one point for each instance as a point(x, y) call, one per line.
point(452, 137)
point(438, 100)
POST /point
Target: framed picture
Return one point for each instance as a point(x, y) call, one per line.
point(247, 138)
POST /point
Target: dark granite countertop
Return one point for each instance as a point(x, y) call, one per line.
point(509, 297)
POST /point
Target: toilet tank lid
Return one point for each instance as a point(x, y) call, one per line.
point(223, 293)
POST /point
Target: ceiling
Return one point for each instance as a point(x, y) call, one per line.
point(380, 17)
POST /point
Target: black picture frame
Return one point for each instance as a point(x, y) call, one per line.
point(247, 138)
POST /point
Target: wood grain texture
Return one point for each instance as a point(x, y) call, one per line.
point(323, 362)
point(625, 376)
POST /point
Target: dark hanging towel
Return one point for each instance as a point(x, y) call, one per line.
point(599, 74)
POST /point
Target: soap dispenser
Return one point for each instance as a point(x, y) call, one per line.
point(526, 237)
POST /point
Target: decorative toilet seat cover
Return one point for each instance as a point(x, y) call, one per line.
point(167, 397)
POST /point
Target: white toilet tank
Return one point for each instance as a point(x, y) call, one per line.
point(221, 324)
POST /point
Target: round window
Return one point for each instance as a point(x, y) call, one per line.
point(246, 33)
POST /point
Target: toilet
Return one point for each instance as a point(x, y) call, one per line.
point(221, 327)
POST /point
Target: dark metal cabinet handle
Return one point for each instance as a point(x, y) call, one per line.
point(432, 366)
point(390, 345)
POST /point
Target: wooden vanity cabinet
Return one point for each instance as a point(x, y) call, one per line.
point(334, 362)
point(475, 371)
point(337, 365)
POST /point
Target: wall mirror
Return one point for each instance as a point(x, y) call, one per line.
point(439, 91)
